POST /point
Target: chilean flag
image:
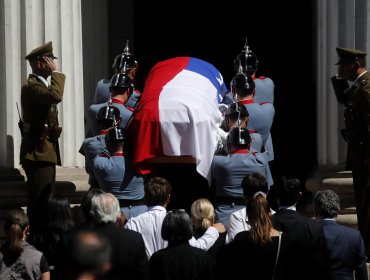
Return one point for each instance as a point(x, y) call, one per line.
point(178, 113)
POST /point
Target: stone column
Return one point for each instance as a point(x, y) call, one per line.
point(339, 23)
point(24, 25)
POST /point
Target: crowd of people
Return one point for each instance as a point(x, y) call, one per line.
point(99, 242)
point(124, 227)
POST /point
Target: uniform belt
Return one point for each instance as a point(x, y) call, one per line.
point(129, 202)
point(229, 200)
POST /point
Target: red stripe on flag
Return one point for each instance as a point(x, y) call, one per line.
point(145, 128)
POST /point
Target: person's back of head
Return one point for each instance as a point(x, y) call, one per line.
point(253, 183)
point(288, 190)
point(243, 86)
point(258, 211)
point(108, 116)
point(16, 223)
point(238, 138)
point(57, 213)
point(202, 214)
point(157, 192)
point(120, 83)
point(236, 115)
point(326, 204)
point(86, 202)
point(88, 256)
point(177, 227)
point(115, 139)
point(105, 208)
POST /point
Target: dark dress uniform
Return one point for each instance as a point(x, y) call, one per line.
point(356, 100)
point(39, 152)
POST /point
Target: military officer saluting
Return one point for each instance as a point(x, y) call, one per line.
point(39, 151)
point(356, 99)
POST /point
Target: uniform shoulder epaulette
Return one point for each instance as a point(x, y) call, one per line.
point(32, 80)
point(104, 154)
point(254, 153)
point(265, 102)
point(261, 77)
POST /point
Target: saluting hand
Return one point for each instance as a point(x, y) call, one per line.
point(340, 71)
point(49, 63)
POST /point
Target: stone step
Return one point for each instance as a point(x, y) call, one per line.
point(349, 220)
point(340, 182)
point(72, 182)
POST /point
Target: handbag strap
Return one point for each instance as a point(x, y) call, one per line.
point(277, 255)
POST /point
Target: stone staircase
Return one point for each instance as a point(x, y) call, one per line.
point(341, 182)
point(72, 182)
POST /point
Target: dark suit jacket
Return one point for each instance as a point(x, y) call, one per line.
point(39, 108)
point(129, 259)
point(307, 235)
point(299, 227)
point(245, 258)
point(181, 261)
point(346, 250)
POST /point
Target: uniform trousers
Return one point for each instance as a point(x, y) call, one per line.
point(40, 183)
point(361, 185)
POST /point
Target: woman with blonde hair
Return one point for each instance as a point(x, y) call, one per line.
point(18, 259)
point(203, 216)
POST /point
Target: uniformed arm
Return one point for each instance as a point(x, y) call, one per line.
point(263, 157)
point(256, 144)
point(102, 165)
point(206, 241)
point(92, 126)
point(365, 115)
point(38, 93)
point(82, 149)
point(340, 86)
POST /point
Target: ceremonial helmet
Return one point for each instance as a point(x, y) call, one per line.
point(120, 81)
point(115, 135)
point(247, 60)
point(237, 109)
point(239, 137)
point(124, 61)
point(109, 113)
point(242, 82)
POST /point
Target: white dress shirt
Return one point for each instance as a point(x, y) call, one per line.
point(149, 224)
point(239, 222)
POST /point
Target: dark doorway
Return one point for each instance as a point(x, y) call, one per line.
point(216, 33)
